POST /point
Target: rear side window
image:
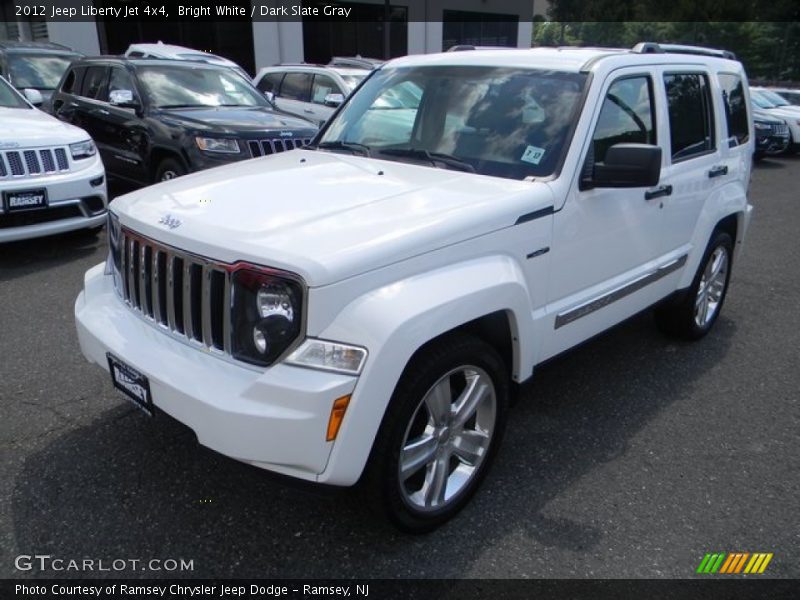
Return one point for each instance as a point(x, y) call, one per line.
point(626, 116)
point(691, 117)
point(323, 85)
point(296, 86)
point(735, 108)
point(72, 82)
point(270, 82)
point(94, 82)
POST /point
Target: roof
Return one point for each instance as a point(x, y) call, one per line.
point(35, 46)
point(169, 50)
point(344, 71)
point(570, 59)
point(155, 62)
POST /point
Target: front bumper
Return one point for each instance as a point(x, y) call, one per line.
point(275, 418)
point(770, 145)
point(76, 200)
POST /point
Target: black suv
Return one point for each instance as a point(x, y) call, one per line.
point(35, 65)
point(153, 120)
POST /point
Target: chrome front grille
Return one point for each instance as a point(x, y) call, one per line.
point(186, 294)
point(25, 163)
point(273, 146)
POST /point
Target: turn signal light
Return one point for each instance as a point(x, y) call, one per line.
point(337, 415)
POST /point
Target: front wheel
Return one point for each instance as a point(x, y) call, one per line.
point(440, 433)
point(695, 314)
point(169, 168)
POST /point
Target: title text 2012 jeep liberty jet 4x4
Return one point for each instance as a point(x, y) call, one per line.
point(357, 311)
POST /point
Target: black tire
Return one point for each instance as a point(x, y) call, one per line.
point(382, 484)
point(678, 318)
point(169, 168)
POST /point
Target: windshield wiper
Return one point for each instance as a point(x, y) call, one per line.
point(185, 106)
point(431, 157)
point(351, 147)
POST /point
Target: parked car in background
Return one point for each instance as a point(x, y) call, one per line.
point(359, 311)
point(51, 177)
point(781, 110)
point(309, 91)
point(772, 135)
point(792, 96)
point(171, 52)
point(156, 119)
point(35, 68)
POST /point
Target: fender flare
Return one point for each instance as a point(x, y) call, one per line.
point(394, 321)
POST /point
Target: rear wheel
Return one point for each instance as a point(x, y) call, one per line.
point(694, 315)
point(440, 433)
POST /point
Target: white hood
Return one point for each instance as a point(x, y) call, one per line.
point(30, 128)
point(326, 216)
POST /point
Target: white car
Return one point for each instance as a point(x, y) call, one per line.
point(309, 91)
point(51, 178)
point(358, 311)
point(776, 106)
point(171, 52)
point(792, 96)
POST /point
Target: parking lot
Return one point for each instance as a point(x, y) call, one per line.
point(631, 456)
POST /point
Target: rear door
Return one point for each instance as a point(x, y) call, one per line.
point(295, 93)
point(123, 135)
point(89, 103)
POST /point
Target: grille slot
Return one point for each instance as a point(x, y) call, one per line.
point(61, 159)
point(178, 291)
point(273, 146)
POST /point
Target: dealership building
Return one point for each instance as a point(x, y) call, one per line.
point(414, 27)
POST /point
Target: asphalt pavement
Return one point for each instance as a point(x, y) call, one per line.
point(632, 456)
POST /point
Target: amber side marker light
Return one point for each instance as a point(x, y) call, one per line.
point(337, 415)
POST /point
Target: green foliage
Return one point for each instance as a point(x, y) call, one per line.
point(769, 50)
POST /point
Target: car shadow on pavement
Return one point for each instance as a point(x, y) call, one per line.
point(128, 487)
point(40, 255)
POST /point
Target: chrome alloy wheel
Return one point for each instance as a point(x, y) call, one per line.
point(447, 438)
point(168, 174)
point(712, 287)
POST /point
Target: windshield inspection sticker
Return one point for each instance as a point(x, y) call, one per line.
point(533, 155)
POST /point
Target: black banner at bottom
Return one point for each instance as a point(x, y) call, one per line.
point(381, 589)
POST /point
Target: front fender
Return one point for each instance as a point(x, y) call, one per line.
point(394, 321)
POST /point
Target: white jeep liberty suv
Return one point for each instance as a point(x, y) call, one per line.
point(357, 311)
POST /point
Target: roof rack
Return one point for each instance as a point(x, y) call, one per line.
point(656, 48)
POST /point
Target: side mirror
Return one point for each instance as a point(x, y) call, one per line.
point(33, 96)
point(123, 99)
point(626, 166)
point(270, 97)
point(333, 100)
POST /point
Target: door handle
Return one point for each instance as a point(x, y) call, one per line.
point(718, 171)
point(308, 110)
point(664, 190)
point(101, 111)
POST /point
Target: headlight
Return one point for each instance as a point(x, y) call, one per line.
point(267, 314)
point(220, 145)
point(81, 150)
point(329, 356)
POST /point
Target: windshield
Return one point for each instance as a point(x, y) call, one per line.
point(175, 87)
point(37, 71)
point(776, 99)
point(760, 101)
point(504, 122)
point(353, 80)
point(9, 98)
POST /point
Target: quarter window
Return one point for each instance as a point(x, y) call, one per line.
point(735, 109)
point(691, 117)
point(296, 86)
point(626, 116)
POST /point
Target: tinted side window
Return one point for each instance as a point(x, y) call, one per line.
point(72, 82)
point(136, 54)
point(120, 80)
point(94, 82)
point(691, 117)
point(626, 116)
point(296, 86)
point(270, 82)
point(735, 109)
point(323, 85)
